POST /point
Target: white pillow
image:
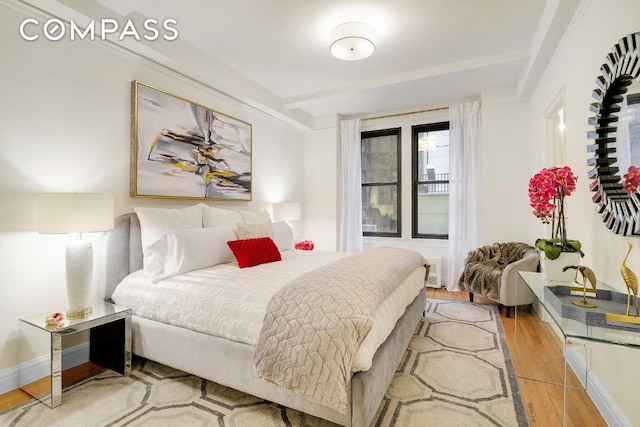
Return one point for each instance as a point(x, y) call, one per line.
point(282, 235)
point(186, 250)
point(253, 231)
point(255, 217)
point(155, 222)
point(216, 216)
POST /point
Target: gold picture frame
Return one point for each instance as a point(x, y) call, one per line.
point(185, 150)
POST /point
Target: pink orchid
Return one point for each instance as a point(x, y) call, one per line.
point(632, 179)
point(547, 190)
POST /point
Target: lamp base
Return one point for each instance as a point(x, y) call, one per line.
point(79, 314)
point(79, 269)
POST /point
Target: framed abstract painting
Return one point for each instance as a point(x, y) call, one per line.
point(181, 149)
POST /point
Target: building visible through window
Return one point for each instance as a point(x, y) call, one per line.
point(430, 198)
point(381, 183)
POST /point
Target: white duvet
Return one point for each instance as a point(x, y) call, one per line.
point(231, 302)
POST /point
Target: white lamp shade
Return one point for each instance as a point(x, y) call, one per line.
point(75, 212)
point(287, 211)
point(352, 41)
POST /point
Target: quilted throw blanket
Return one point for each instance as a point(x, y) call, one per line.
point(314, 325)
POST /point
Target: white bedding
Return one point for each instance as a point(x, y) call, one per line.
point(230, 302)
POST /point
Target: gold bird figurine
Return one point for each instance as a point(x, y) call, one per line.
point(631, 280)
point(587, 276)
point(586, 272)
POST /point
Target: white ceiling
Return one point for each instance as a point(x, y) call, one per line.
point(275, 53)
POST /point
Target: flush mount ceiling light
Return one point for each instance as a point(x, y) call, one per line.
point(352, 41)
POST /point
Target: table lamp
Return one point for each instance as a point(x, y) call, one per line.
point(76, 213)
point(286, 211)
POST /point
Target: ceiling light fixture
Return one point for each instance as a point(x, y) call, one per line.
point(352, 41)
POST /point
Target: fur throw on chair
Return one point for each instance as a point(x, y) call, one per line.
point(484, 266)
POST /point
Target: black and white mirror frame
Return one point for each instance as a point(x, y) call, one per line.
point(619, 211)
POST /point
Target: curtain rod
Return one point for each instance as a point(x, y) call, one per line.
point(405, 114)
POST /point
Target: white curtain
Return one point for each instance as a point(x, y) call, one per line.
point(350, 187)
point(465, 187)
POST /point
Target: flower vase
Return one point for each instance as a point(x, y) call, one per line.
point(552, 268)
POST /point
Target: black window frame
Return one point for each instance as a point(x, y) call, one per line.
point(415, 130)
point(388, 132)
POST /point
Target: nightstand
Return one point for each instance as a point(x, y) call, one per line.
point(40, 348)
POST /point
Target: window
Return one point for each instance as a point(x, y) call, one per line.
point(430, 188)
point(381, 183)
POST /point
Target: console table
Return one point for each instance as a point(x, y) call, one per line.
point(582, 328)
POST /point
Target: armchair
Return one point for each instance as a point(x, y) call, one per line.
point(491, 271)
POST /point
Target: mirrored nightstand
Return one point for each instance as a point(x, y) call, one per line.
point(109, 346)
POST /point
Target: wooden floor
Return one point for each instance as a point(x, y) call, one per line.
point(70, 376)
point(537, 357)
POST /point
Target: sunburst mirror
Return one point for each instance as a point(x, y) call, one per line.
point(616, 136)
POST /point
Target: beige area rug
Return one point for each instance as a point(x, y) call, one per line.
point(456, 372)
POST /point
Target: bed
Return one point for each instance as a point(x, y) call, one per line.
point(231, 361)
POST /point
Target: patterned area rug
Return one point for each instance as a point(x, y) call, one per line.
point(456, 372)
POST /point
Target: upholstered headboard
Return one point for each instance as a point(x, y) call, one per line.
point(123, 252)
point(123, 244)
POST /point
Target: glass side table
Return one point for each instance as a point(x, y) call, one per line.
point(582, 331)
point(109, 346)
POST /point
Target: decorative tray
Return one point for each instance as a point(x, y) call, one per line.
point(609, 313)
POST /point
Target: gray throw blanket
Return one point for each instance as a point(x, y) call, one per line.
point(314, 325)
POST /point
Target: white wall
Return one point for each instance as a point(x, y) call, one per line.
point(321, 183)
point(65, 126)
point(599, 25)
point(506, 171)
point(575, 68)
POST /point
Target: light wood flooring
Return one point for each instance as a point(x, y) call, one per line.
point(536, 352)
point(70, 376)
point(537, 357)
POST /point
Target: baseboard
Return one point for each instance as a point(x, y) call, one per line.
point(596, 391)
point(37, 368)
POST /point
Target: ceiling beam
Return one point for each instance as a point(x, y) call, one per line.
point(513, 56)
point(553, 25)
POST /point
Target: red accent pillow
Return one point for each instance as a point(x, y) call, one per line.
point(250, 252)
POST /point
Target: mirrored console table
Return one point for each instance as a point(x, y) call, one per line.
point(40, 348)
point(589, 338)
